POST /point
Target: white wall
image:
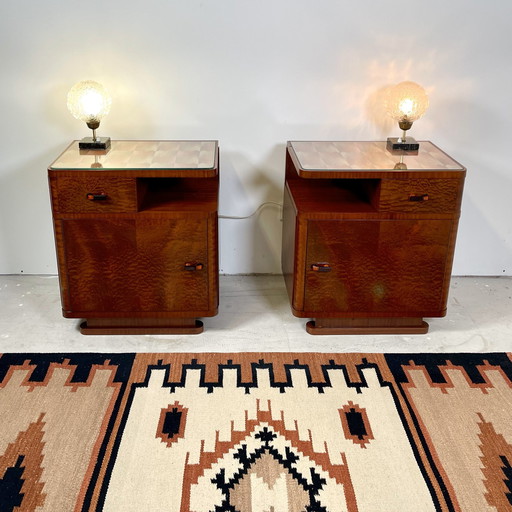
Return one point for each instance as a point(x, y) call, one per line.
point(255, 74)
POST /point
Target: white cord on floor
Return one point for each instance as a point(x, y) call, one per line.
point(253, 213)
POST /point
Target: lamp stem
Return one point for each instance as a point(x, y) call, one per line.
point(94, 135)
point(404, 136)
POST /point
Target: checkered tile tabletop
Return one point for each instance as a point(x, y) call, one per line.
point(323, 156)
point(141, 155)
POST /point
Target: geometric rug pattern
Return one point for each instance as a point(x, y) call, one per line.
point(255, 432)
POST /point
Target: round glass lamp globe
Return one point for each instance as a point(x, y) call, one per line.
point(407, 101)
point(89, 101)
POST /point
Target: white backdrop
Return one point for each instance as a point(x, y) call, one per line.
point(254, 74)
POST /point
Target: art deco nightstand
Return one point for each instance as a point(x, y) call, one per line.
point(368, 235)
point(136, 235)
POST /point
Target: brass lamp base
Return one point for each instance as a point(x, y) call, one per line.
point(98, 143)
point(402, 144)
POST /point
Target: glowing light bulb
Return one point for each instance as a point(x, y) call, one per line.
point(90, 102)
point(406, 107)
point(406, 102)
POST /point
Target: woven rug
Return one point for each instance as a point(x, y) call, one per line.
point(255, 432)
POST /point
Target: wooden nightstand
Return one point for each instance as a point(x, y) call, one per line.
point(369, 235)
point(136, 235)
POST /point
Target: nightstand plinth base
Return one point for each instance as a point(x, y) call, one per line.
point(141, 326)
point(321, 326)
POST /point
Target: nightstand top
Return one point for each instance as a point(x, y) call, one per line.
point(141, 155)
point(321, 156)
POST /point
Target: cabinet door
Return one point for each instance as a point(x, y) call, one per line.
point(136, 264)
point(378, 267)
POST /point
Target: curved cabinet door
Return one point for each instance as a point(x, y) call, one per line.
point(136, 264)
point(378, 267)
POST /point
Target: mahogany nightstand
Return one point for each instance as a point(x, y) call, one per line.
point(136, 235)
point(369, 235)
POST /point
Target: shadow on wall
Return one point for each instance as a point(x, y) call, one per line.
point(484, 237)
point(375, 109)
point(363, 95)
point(477, 229)
point(253, 244)
point(26, 231)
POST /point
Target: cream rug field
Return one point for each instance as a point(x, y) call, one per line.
point(255, 432)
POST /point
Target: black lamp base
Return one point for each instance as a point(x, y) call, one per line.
point(401, 144)
point(90, 143)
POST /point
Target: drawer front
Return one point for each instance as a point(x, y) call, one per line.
point(95, 195)
point(420, 195)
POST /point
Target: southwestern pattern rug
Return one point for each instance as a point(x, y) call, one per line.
point(249, 432)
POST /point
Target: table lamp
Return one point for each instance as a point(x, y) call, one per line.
point(406, 102)
point(89, 101)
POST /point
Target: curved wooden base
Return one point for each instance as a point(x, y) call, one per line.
point(367, 326)
point(141, 326)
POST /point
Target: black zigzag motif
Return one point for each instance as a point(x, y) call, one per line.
point(287, 461)
point(434, 362)
point(262, 365)
point(82, 361)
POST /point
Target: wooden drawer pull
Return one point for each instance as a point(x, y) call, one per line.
point(321, 267)
point(97, 197)
point(418, 198)
point(194, 266)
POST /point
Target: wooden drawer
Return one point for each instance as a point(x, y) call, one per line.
point(420, 195)
point(95, 195)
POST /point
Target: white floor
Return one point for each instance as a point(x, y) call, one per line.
point(254, 316)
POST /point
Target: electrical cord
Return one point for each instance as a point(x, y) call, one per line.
point(253, 213)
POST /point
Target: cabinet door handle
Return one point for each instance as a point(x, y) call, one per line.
point(418, 198)
point(194, 266)
point(97, 197)
point(321, 267)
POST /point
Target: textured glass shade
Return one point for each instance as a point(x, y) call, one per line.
point(406, 101)
point(89, 101)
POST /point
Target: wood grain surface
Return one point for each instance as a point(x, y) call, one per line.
point(358, 249)
point(146, 253)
